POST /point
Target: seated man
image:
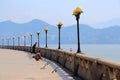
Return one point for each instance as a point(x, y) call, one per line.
point(38, 56)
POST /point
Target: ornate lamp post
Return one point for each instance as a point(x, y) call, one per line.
point(59, 27)
point(77, 12)
point(13, 41)
point(38, 33)
point(46, 30)
point(31, 38)
point(24, 40)
point(18, 40)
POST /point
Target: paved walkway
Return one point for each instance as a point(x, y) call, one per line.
point(17, 65)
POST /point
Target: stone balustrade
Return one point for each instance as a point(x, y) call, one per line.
point(86, 67)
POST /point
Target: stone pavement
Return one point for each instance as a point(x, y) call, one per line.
point(19, 65)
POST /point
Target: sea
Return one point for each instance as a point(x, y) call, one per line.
point(105, 51)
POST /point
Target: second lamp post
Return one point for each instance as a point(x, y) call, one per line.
point(59, 27)
point(13, 41)
point(38, 33)
point(46, 30)
point(24, 40)
point(2, 42)
point(7, 41)
point(18, 40)
point(31, 39)
point(77, 13)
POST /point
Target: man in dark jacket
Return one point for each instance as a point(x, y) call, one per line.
point(33, 48)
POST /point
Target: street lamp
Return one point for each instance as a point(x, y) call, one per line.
point(46, 30)
point(59, 27)
point(18, 40)
point(31, 38)
point(13, 41)
point(8, 41)
point(24, 40)
point(2, 42)
point(77, 12)
point(38, 33)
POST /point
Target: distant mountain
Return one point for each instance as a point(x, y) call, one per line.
point(88, 35)
point(10, 29)
point(106, 24)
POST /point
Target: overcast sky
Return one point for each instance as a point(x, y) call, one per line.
point(52, 11)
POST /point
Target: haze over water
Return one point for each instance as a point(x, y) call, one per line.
point(106, 51)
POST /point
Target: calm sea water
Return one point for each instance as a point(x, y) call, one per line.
point(106, 51)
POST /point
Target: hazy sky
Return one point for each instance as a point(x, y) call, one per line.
point(52, 11)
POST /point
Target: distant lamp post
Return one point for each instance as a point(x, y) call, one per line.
point(38, 33)
point(7, 41)
point(46, 30)
point(59, 27)
point(24, 40)
point(13, 41)
point(2, 42)
point(18, 40)
point(31, 39)
point(77, 12)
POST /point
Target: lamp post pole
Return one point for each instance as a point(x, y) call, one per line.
point(77, 13)
point(2, 42)
point(8, 41)
point(38, 33)
point(46, 30)
point(59, 27)
point(59, 38)
point(13, 41)
point(31, 39)
point(18, 40)
point(77, 18)
point(24, 40)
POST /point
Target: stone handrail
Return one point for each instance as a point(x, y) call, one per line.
point(86, 67)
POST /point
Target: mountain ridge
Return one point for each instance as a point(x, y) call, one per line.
point(88, 34)
point(108, 23)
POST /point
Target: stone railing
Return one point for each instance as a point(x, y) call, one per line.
point(86, 67)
